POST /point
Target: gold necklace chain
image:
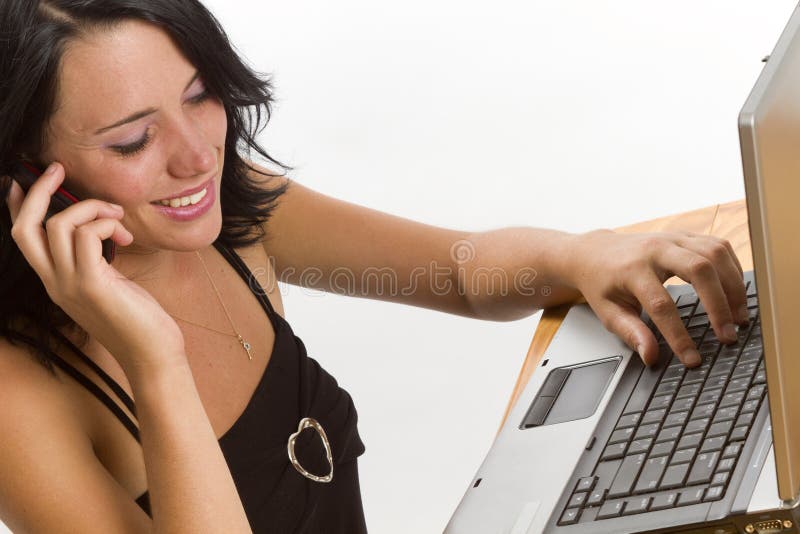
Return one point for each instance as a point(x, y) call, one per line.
point(238, 336)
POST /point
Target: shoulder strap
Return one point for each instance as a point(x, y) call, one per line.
point(89, 385)
point(241, 267)
point(116, 388)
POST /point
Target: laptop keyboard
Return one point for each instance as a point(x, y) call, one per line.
point(678, 439)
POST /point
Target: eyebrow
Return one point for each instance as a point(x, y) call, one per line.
point(141, 114)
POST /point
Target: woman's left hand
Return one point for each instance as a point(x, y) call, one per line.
point(618, 274)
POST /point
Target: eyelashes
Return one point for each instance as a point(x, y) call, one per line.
point(138, 146)
point(133, 148)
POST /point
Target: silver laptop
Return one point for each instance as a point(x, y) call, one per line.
point(597, 443)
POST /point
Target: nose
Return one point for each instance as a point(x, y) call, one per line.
point(191, 153)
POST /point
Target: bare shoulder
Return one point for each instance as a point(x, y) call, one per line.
point(50, 478)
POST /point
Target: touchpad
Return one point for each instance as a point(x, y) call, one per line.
point(571, 393)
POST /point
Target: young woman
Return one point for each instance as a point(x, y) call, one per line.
point(211, 418)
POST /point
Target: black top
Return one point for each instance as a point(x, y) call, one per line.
point(276, 497)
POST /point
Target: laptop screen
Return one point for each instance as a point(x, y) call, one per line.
point(769, 131)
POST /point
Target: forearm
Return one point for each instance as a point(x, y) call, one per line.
point(515, 272)
point(190, 485)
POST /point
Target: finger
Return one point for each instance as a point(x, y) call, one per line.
point(89, 242)
point(14, 200)
point(659, 305)
point(27, 230)
point(61, 227)
point(702, 273)
point(731, 273)
point(627, 324)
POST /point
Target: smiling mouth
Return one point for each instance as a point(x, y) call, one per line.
point(191, 200)
point(186, 200)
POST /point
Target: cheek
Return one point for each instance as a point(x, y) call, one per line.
point(217, 123)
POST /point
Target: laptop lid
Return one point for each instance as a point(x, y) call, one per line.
point(769, 132)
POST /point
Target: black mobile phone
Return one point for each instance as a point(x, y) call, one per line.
point(25, 174)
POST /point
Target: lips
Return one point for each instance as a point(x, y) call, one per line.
point(185, 193)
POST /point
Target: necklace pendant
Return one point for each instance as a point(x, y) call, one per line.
point(246, 346)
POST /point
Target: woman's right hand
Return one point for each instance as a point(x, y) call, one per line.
point(115, 311)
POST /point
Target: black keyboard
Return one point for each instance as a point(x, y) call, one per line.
point(680, 434)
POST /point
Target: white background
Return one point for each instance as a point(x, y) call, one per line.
point(568, 115)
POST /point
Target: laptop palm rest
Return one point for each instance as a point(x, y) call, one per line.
point(571, 393)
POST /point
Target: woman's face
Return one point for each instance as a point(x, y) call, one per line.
point(133, 125)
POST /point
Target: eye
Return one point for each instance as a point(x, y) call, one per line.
point(133, 148)
point(202, 96)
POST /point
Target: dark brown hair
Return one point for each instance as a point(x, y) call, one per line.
point(33, 35)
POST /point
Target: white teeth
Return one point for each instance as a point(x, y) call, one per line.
point(184, 201)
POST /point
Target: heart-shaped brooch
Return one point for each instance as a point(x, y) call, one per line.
point(310, 422)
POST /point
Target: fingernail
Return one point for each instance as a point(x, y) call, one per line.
point(743, 315)
point(50, 170)
point(116, 206)
point(640, 349)
point(691, 358)
point(731, 331)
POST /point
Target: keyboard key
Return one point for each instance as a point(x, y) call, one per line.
point(755, 392)
point(675, 419)
point(683, 456)
point(691, 390)
point(673, 373)
point(695, 376)
point(750, 357)
point(702, 410)
point(628, 471)
point(721, 478)
point(691, 496)
point(570, 516)
point(667, 388)
point(725, 414)
point(641, 393)
point(596, 497)
point(651, 474)
point(660, 402)
point(732, 399)
point(703, 468)
point(744, 370)
point(621, 436)
point(669, 434)
point(732, 450)
point(664, 501)
point(674, 476)
point(585, 484)
point(722, 368)
point(636, 506)
point(746, 419)
point(713, 444)
point(714, 382)
point(726, 464)
point(577, 500)
point(719, 429)
point(646, 431)
point(738, 384)
point(662, 449)
point(682, 405)
point(690, 440)
point(714, 493)
point(739, 433)
point(614, 451)
point(628, 421)
point(610, 509)
point(760, 377)
point(698, 425)
point(750, 406)
point(654, 416)
point(711, 396)
point(640, 445)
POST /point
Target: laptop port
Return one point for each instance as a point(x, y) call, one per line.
point(765, 527)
